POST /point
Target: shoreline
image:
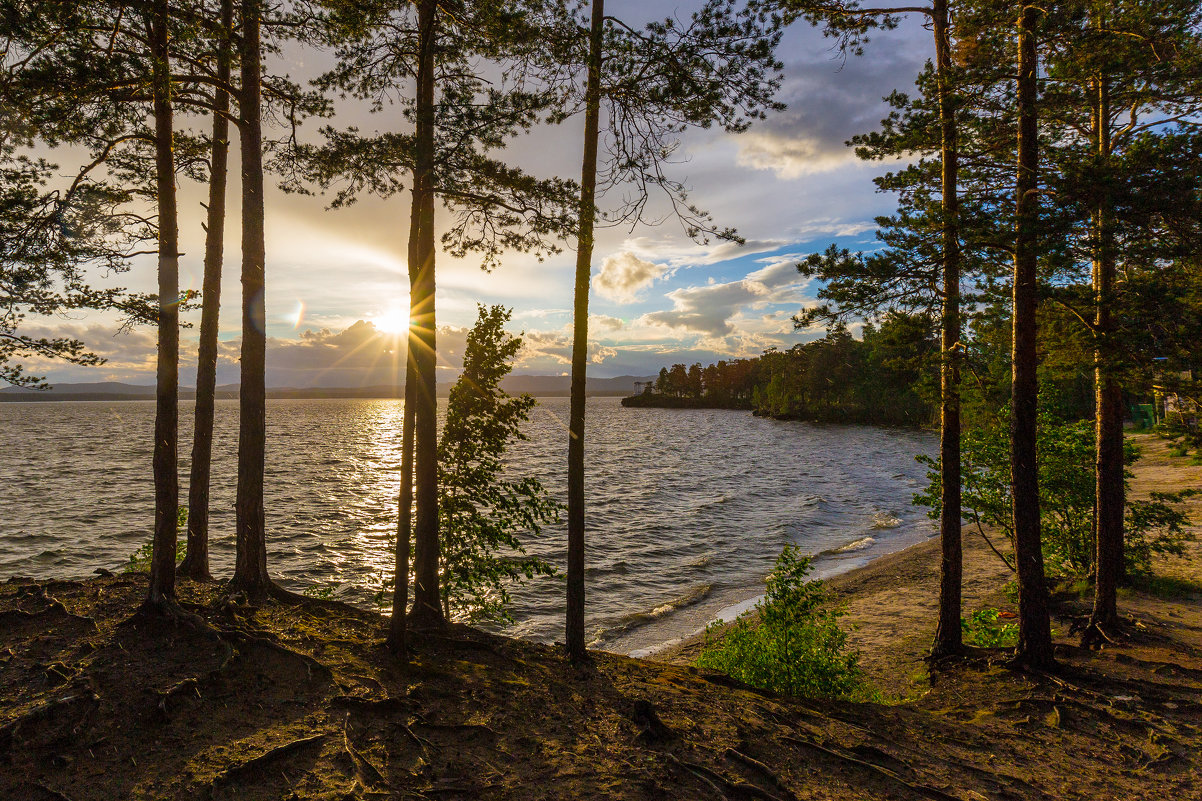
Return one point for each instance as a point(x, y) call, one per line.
point(891, 602)
point(828, 566)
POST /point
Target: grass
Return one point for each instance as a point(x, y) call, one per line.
point(1168, 587)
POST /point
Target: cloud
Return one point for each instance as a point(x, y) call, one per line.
point(551, 349)
point(603, 322)
point(624, 274)
point(709, 309)
point(691, 254)
point(828, 102)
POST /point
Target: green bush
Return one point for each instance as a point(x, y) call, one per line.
point(1066, 497)
point(985, 628)
point(791, 643)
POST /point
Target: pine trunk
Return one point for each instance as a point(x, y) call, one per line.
point(250, 569)
point(427, 607)
point(584, 256)
point(1110, 493)
point(397, 628)
point(166, 420)
point(196, 563)
point(948, 633)
point(1035, 639)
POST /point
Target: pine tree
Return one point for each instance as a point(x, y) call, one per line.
point(719, 68)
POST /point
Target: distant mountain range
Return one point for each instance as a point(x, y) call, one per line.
point(537, 385)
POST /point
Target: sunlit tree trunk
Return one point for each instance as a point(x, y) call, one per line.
point(196, 563)
point(427, 608)
point(947, 633)
point(1108, 396)
point(250, 571)
point(397, 628)
point(584, 257)
point(166, 421)
point(1035, 639)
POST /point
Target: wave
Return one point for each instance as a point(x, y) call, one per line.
point(635, 619)
point(856, 545)
point(885, 520)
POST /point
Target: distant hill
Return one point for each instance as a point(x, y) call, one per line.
point(537, 385)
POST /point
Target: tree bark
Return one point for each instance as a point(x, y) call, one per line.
point(196, 563)
point(584, 257)
point(948, 639)
point(166, 420)
point(250, 570)
point(397, 627)
point(427, 608)
point(1110, 492)
point(1035, 638)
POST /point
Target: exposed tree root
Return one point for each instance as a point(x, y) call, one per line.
point(55, 795)
point(725, 787)
point(920, 789)
point(10, 732)
point(163, 608)
point(1095, 636)
point(763, 770)
point(243, 768)
point(365, 772)
point(380, 706)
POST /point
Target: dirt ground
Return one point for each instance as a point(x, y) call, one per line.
point(301, 702)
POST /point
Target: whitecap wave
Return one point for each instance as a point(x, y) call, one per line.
point(885, 520)
point(857, 545)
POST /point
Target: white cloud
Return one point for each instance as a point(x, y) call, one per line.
point(624, 275)
point(709, 309)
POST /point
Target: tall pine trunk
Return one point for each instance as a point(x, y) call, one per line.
point(397, 627)
point(196, 563)
point(947, 633)
point(1110, 493)
point(584, 257)
point(250, 568)
point(427, 608)
point(166, 420)
point(1034, 638)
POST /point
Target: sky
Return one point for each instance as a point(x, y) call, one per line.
point(336, 279)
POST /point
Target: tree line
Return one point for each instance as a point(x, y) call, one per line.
point(882, 378)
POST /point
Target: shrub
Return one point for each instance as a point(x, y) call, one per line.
point(791, 643)
point(986, 628)
point(1066, 497)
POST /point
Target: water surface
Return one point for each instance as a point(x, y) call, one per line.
point(687, 508)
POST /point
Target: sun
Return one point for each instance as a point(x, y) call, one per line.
point(394, 320)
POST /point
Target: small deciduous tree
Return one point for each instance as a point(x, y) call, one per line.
point(482, 510)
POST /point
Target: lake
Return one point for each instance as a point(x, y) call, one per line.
point(687, 508)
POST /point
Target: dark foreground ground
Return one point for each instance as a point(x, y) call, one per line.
point(300, 702)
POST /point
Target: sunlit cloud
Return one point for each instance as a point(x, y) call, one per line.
point(624, 275)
